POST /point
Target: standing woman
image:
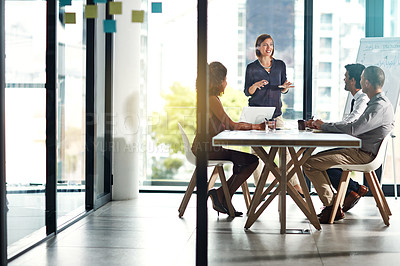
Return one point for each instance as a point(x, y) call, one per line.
point(266, 78)
point(243, 163)
point(265, 82)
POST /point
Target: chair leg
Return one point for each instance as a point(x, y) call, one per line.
point(378, 198)
point(213, 178)
point(385, 204)
point(257, 176)
point(394, 169)
point(246, 194)
point(343, 196)
point(188, 194)
point(226, 190)
point(344, 182)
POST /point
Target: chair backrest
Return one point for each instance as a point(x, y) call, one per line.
point(188, 147)
point(374, 164)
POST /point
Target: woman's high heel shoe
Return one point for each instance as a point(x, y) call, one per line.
point(237, 214)
point(217, 205)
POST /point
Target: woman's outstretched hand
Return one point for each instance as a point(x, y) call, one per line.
point(286, 86)
point(257, 85)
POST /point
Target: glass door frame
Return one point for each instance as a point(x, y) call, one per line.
point(3, 211)
point(51, 118)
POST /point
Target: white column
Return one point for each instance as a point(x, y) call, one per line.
point(126, 103)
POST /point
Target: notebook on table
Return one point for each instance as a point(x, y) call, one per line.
point(256, 114)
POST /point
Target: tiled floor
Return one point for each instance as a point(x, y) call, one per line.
point(148, 231)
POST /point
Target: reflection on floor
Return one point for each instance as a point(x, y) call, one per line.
point(26, 212)
point(147, 231)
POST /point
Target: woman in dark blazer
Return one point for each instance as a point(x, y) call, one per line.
point(265, 82)
point(266, 78)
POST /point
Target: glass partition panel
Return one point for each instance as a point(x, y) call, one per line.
point(71, 112)
point(170, 64)
point(100, 146)
point(338, 27)
point(171, 41)
point(25, 100)
point(391, 25)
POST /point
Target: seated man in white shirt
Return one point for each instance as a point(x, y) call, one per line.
point(358, 104)
point(352, 84)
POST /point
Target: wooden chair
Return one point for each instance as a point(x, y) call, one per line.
point(369, 171)
point(218, 171)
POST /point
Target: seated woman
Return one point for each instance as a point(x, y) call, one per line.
point(243, 163)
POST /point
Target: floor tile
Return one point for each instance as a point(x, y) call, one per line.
point(148, 231)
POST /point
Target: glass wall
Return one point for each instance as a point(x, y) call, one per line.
point(171, 70)
point(171, 40)
point(25, 98)
point(30, 200)
point(26, 119)
point(391, 23)
point(338, 27)
point(100, 111)
point(71, 112)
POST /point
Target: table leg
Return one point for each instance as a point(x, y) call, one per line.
point(257, 207)
point(256, 199)
point(306, 206)
point(282, 196)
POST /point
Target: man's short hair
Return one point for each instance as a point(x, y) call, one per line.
point(375, 76)
point(355, 71)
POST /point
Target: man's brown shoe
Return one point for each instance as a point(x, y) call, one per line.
point(362, 190)
point(324, 216)
point(350, 200)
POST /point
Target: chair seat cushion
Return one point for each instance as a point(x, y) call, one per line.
point(372, 166)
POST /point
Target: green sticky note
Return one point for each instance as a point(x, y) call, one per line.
point(115, 8)
point(109, 26)
point(138, 16)
point(156, 7)
point(90, 11)
point(69, 18)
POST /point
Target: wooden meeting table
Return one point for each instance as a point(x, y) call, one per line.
point(281, 142)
